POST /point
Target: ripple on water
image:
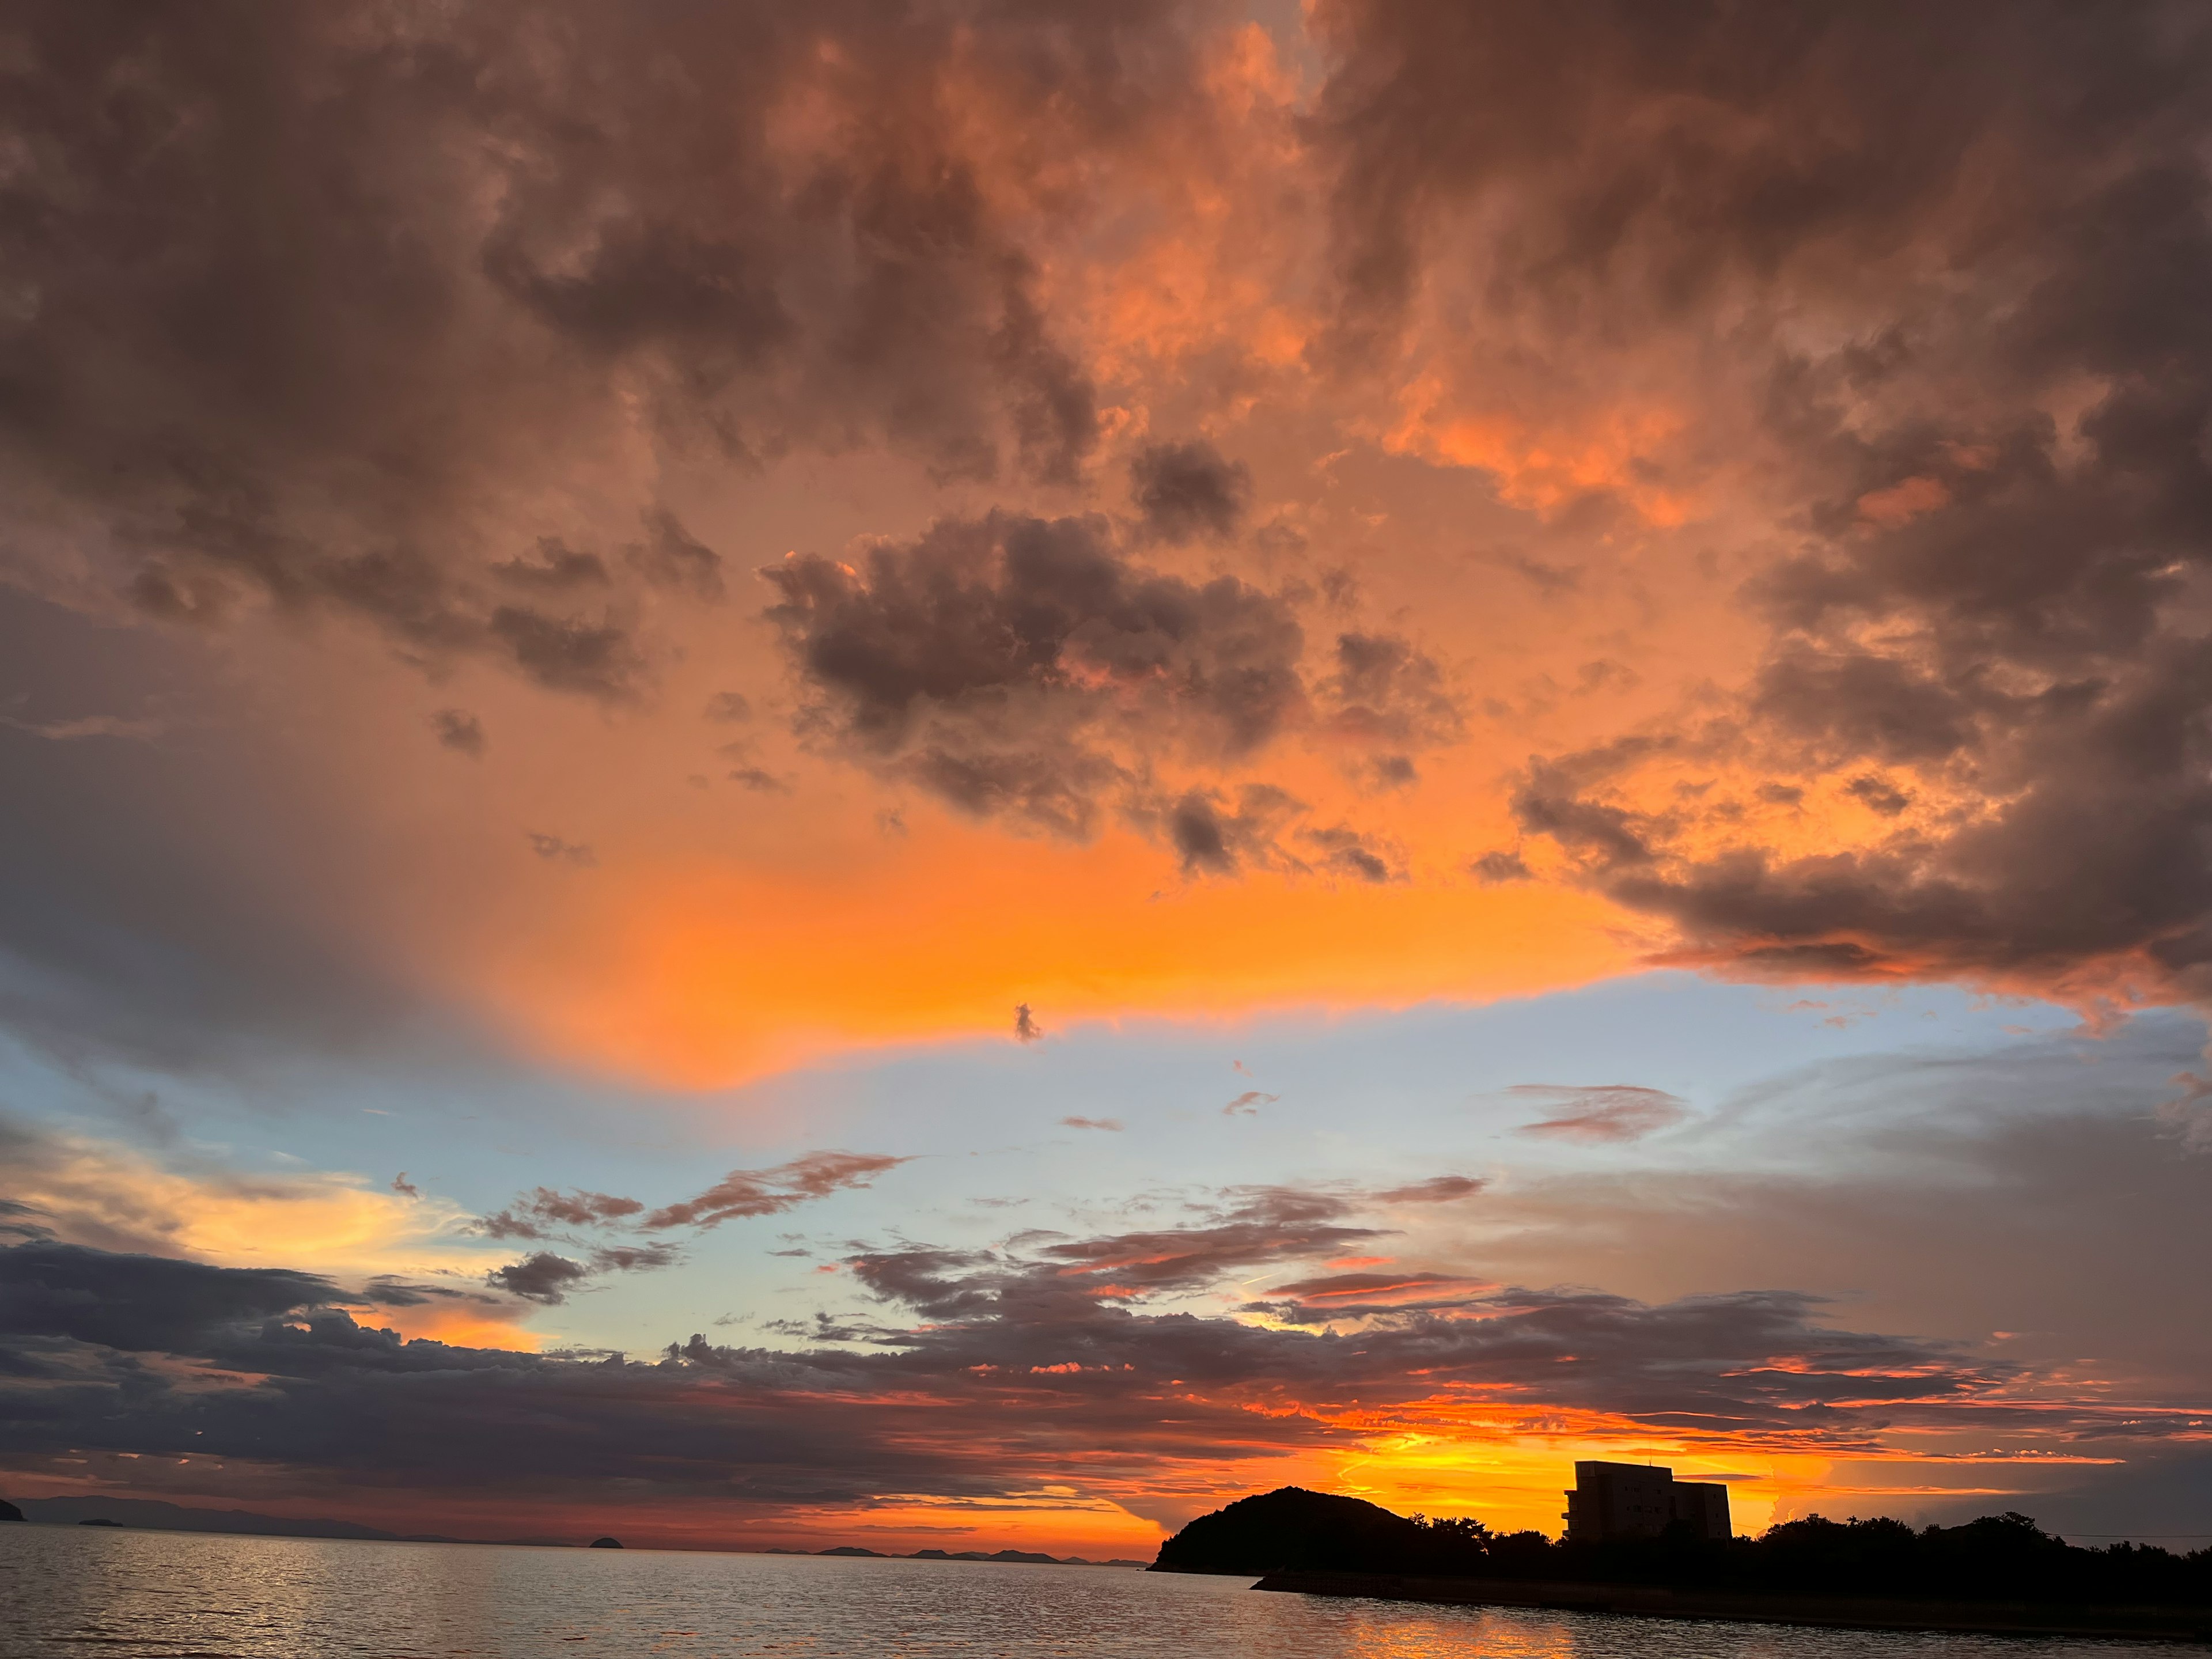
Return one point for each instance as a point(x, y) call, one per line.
point(66, 1590)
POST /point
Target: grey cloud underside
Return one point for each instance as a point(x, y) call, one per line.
point(321, 308)
point(142, 917)
point(965, 1374)
point(1189, 490)
point(1036, 671)
point(1998, 479)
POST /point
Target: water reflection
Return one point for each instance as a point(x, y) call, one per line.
point(137, 1594)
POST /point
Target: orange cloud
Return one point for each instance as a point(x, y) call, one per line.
point(702, 974)
point(1544, 467)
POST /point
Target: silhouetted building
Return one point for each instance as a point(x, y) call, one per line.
point(1636, 1500)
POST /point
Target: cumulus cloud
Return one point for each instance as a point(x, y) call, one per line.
point(515, 245)
point(1599, 1113)
point(1038, 672)
point(1986, 629)
point(542, 1277)
point(995, 662)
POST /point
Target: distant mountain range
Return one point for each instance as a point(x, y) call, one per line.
point(1029, 1557)
point(153, 1515)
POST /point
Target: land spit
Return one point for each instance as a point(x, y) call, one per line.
point(2185, 1625)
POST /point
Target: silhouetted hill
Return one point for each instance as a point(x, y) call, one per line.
point(1997, 1558)
point(1294, 1528)
point(8, 1511)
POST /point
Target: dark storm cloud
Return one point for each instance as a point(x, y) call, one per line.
point(1612, 138)
point(141, 1302)
point(1990, 630)
point(1599, 1112)
point(1185, 490)
point(511, 232)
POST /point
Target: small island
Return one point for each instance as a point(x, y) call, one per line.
point(605, 1544)
point(2000, 1574)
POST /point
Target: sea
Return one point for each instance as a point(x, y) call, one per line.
point(121, 1593)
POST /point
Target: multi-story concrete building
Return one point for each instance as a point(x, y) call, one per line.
point(1636, 1500)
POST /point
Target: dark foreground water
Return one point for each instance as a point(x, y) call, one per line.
point(86, 1591)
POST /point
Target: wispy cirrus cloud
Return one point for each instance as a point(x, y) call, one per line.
point(1599, 1113)
point(744, 1193)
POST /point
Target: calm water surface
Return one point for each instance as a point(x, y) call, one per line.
point(86, 1590)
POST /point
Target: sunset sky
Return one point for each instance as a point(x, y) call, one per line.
point(952, 773)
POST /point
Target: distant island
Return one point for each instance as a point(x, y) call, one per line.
point(2000, 1573)
point(1027, 1558)
point(156, 1515)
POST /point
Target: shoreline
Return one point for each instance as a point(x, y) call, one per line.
point(2190, 1625)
